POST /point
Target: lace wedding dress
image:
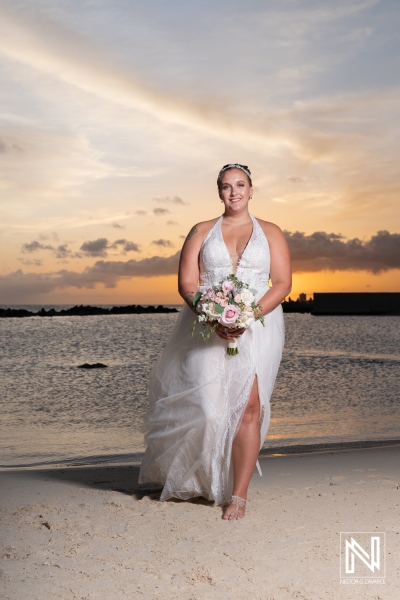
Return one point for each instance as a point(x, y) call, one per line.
point(198, 393)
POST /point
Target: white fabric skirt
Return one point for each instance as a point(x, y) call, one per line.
point(197, 397)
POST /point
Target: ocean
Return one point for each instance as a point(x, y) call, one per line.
point(338, 383)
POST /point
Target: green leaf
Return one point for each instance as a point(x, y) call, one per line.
point(218, 309)
point(194, 326)
point(196, 298)
point(253, 291)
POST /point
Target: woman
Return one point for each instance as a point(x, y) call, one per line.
point(208, 411)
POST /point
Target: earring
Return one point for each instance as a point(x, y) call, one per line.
point(250, 197)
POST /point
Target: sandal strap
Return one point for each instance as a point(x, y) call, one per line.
point(238, 501)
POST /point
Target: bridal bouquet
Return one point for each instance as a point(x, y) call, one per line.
point(231, 304)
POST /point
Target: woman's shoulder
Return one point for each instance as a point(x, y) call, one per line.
point(270, 229)
point(202, 228)
point(206, 225)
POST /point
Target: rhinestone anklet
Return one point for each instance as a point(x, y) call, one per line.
point(239, 503)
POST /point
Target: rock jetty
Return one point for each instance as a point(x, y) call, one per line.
point(84, 311)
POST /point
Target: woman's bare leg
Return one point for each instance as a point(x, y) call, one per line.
point(245, 449)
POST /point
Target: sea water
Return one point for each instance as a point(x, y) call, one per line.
point(338, 383)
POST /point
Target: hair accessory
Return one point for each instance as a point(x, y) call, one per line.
point(244, 168)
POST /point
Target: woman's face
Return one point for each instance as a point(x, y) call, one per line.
point(235, 190)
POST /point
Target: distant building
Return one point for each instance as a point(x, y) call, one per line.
point(368, 303)
point(302, 298)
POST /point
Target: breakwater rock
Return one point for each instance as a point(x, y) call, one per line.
point(92, 366)
point(84, 311)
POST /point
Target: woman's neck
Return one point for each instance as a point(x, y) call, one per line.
point(239, 218)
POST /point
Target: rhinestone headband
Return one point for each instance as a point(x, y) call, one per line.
point(244, 168)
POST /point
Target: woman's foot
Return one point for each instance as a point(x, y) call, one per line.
point(236, 509)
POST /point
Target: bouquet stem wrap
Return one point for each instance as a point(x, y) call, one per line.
point(233, 348)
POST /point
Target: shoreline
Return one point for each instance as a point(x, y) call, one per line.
point(273, 452)
point(80, 310)
point(327, 447)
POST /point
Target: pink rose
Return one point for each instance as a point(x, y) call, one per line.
point(228, 286)
point(238, 298)
point(229, 316)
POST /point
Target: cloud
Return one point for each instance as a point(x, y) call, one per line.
point(319, 251)
point(96, 247)
point(172, 223)
point(137, 213)
point(61, 251)
point(47, 185)
point(296, 179)
point(108, 273)
point(7, 148)
point(164, 243)
point(53, 236)
point(318, 126)
point(168, 200)
point(117, 226)
point(322, 251)
point(160, 211)
point(54, 49)
point(300, 26)
point(100, 246)
point(80, 108)
point(35, 247)
point(28, 262)
point(127, 246)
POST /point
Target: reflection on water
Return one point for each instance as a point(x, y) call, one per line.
point(338, 382)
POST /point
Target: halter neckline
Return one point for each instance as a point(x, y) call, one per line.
point(254, 221)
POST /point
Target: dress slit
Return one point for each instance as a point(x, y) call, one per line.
point(260, 419)
point(244, 405)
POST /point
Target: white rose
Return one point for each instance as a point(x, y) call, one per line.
point(247, 297)
point(208, 309)
point(246, 319)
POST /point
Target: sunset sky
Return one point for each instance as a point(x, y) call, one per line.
point(116, 116)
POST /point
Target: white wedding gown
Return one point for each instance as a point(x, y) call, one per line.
point(198, 393)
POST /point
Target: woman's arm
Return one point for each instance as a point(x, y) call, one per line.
point(188, 274)
point(281, 270)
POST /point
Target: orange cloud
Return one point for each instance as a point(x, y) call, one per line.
point(322, 251)
point(318, 252)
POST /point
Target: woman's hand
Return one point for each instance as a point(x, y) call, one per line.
point(229, 333)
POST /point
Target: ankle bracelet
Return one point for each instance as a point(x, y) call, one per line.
point(239, 501)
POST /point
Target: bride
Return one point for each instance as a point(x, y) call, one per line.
point(209, 412)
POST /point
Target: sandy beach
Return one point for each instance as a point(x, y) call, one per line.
point(87, 533)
